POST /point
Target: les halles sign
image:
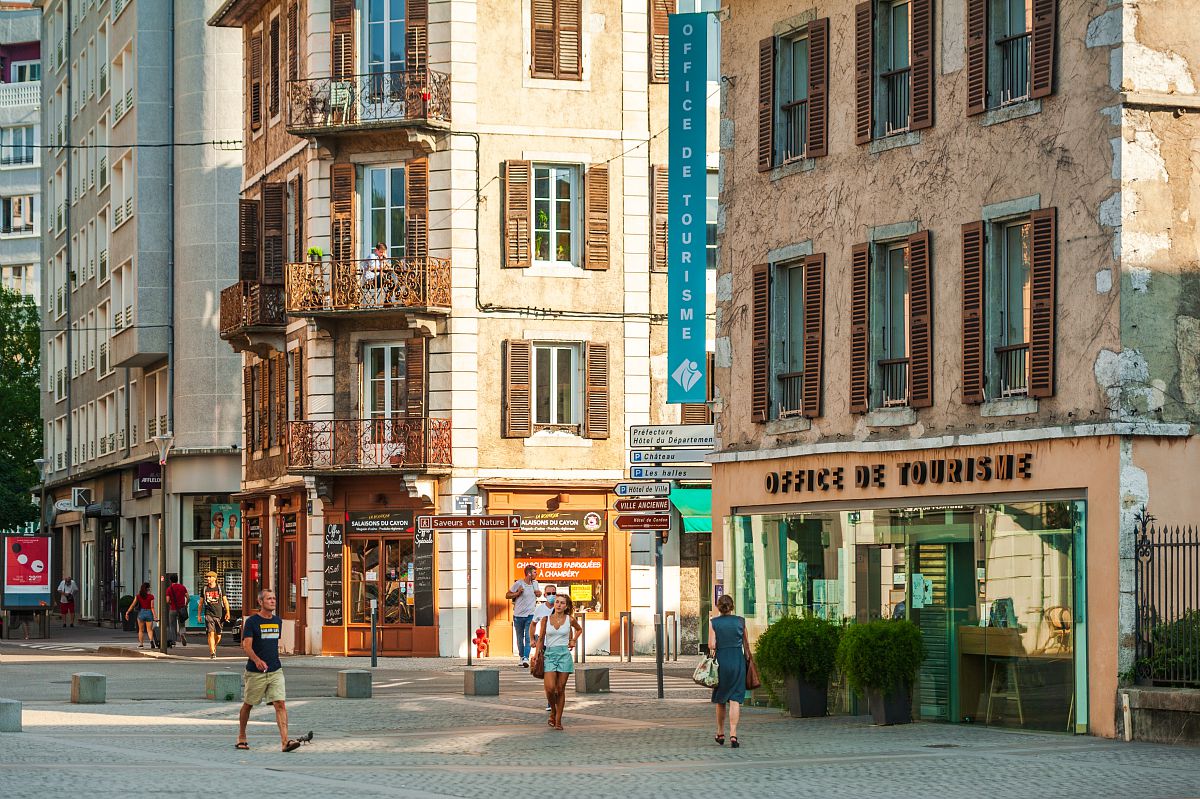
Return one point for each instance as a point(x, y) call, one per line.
point(932, 471)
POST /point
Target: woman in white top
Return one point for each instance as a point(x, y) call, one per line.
point(556, 639)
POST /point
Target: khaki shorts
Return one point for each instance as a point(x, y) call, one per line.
point(260, 688)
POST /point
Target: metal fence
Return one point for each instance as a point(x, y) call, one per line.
point(1168, 604)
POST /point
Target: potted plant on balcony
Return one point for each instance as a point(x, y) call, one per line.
point(315, 255)
point(881, 659)
point(796, 655)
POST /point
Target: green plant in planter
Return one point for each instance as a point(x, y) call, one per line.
point(795, 656)
point(881, 655)
point(315, 254)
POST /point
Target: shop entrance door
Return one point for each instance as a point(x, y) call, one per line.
point(704, 553)
point(940, 599)
point(381, 568)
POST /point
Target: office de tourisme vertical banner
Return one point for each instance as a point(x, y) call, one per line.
point(686, 165)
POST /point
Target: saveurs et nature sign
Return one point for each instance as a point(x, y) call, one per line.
point(918, 472)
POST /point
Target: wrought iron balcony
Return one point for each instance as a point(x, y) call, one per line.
point(1014, 369)
point(248, 305)
point(893, 374)
point(795, 126)
point(322, 287)
point(365, 445)
point(791, 394)
point(1014, 67)
point(382, 99)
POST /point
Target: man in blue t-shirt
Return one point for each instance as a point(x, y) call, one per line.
point(263, 679)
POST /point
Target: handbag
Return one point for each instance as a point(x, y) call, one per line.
point(537, 666)
point(752, 679)
point(706, 673)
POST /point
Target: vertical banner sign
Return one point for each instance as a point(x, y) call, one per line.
point(686, 168)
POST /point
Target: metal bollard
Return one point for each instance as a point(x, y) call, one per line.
point(671, 622)
point(625, 630)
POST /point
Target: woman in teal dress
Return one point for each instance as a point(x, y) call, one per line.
point(556, 640)
point(727, 643)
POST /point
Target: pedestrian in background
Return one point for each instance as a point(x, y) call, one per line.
point(177, 610)
point(144, 603)
point(727, 643)
point(214, 609)
point(524, 595)
point(68, 589)
point(556, 639)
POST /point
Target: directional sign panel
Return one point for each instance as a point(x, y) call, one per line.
point(469, 522)
point(641, 505)
point(643, 489)
point(668, 455)
point(670, 472)
point(672, 435)
point(644, 521)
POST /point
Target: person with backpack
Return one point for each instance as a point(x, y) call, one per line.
point(214, 611)
point(144, 603)
point(177, 610)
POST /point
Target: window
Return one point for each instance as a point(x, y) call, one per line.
point(26, 71)
point(793, 90)
point(557, 39)
point(17, 145)
point(385, 37)
point(894, 59)
point(22, 279)
point(1011, 43)
point(555, 210)
point(385, 210)
point(254, 78)
point(789, 361)
point(1012, 302)
point(16, 214)
point(714, 32)
point(890, 302)
point(273, 89)
point(1010, 51)
point(556, 386)
point(792, 97)
point(385, 395)
point(712, 182)
point(272, 366)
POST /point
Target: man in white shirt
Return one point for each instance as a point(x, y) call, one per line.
point(67, 590)
point(524, 594)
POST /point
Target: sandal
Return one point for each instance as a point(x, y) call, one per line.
point(557, 726)
point(241, 745)
point(292, 745)
point(733, 741)
point(720, 739)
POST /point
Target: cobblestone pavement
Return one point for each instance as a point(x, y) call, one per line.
point(425, 739)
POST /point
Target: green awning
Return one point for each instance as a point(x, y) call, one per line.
point(695, 506)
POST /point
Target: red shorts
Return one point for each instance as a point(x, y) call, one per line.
point(66, 607)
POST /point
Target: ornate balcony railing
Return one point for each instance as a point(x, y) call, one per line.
point(368, 444)
point(248, 304)
point(315, 287)
point(893, 374)
point(1014, 369)
point(373, 100)
point(791, 394)
point(1014, 67)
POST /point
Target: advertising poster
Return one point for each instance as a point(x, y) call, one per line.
point(226, 520)
point(26, 570)
point(561, 569)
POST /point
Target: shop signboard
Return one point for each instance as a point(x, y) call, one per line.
point(26, 571)
point(647, 436)
point(423, 545)
point(468, 522)
point(148, 476)
point(644, 521)
point(564, 521)
point(642, 489)
point(642, 505)
point(551, 570)
point(670, 472)
point(668, 455)
point(383, 521)
point(334, 545)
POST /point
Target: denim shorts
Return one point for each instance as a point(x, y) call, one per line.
point(145, 615)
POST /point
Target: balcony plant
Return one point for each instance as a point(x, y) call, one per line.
point(315, 254)
point(881, 659)
point(796, 656)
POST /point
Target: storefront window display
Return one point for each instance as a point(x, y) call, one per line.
point(212, 532)
point(575, 566)
point(997, 590)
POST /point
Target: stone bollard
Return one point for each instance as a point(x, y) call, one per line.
point(481, 682)
point(222, 686)
point(87, 688)
point(591, 680)
point(354, 684)
point(10, 715)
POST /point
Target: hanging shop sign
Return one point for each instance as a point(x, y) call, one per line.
point(920, 472)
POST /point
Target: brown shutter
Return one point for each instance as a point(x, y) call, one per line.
point(248, 406)
point(864, 70)
point(1041, 48)
point(595, 218)
point(921, 74)
point(920, 333)
point(860, 299)
point(256, 65)
point(660, 43)
point(264, 405)
point(814, 333)
point(281, 398)
point(660, 205)
point(760, 342)
point(595, 399)
point(298, 222)
point(1042, 301)
point(274, 216)
point(545, 41)
point(766, 104)
point(414, 377)
point(518, 233)
point(293, 33)
point(248, 250)
point(416, 209)
point(298, 382)
point(341, 209)
point(972, 313)
point(570, 38)
point(273, 93)
point(416, 41)
point(341, 35)
point(818, 89)
point(517, 413)
point(977, 19)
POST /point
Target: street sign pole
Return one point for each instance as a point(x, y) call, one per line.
point(470, 599)
point(658, 601)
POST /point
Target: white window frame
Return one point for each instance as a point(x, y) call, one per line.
point(368, 411)
point(27, 66)
point(576, 350)
point(366, 203)
point(574, 173)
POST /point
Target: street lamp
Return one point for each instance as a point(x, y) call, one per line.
point(40, 463)
point(163, 442)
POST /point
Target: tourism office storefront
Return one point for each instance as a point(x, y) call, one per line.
point(1005, 555)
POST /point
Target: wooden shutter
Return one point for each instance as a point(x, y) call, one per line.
point(920, 331)
point(818, 89)
point(1041, 48)
point(414, 377)
point(760, 342)
point(416, 209)
point(595, 398)
point(274, 216)
point(273, 74)
point(814, 334)
point(660, 205)
point(298, 221)
point(921, 74)
point(341, 209)
point(518, 201)
point(977, 47)
point(263, 407)
point(248, 406)
point(972, 313)
point(766, 104)
point(341, 36)
point(1042, 300)
point(864, 70)
point(416, 42)
point(860, 301)
point(256, 65)
point(248, 242)
point(517, 413)
point(660, 43)
point(595, 218)
point(281, 398)
point(545, 39)
point(293, 35)
point(570, 38)
point(298, 382)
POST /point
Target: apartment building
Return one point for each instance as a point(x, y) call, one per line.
point(450, 299)
point(133, 254)
point(957, 351)
point(20, 158)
